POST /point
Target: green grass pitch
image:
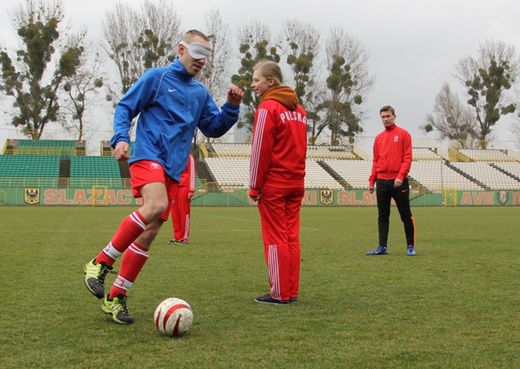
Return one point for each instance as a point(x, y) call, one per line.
point(454, 305)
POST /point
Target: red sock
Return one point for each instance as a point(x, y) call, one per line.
point(129, 229)
point(133, 261)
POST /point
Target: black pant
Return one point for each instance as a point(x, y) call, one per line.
point(385, 192)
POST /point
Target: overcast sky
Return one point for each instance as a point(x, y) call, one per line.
point(413, 44)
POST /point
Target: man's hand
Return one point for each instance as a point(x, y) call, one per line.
point(371, 189)
point(234, 95)
point(398, 182)
point(121, 151)
point(254, 194)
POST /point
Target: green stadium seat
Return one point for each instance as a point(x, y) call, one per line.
point(29, 165)
point(94, 171)
point(49, 147)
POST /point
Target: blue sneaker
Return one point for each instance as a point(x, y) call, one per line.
point(381, 250)
point(411, 250)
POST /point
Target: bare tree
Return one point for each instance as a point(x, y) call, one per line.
point(303, 41)
point(452, 119)
point(255, 44)
point(348, 84)
point(488, 77)
point(34, 76)
point(137, 40)
point(81, 94)
point(216, 72)
point(357, 57)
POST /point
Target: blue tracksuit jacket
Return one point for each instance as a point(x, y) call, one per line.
point(170, 104)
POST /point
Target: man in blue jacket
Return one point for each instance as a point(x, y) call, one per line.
point(170, 104)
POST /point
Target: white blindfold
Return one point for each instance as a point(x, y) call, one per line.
point(197, 50)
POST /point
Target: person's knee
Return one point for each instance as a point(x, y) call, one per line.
point(407, 218)
point(155, 208)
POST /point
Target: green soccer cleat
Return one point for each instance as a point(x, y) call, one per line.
point(177, 242)
point(95, 278)
point(117, 307)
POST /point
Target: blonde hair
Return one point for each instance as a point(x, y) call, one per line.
point(270, 70)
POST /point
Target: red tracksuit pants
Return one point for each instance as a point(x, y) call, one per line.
point(280, 219)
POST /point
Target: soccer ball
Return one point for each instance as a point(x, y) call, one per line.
point(173, 317)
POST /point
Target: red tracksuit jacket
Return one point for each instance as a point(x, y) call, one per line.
point(392, 155)
point(279, 142)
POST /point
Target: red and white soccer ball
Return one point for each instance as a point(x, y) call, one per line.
point(173, 317)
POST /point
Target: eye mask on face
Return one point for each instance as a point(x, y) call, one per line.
point(197, 50)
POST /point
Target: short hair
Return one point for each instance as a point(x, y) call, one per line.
point(387, 108)
point(270, 70)
point(192, 33)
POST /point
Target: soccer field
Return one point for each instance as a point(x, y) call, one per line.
point(454, 305)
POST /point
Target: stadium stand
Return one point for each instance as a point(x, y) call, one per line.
point(229, 172)
point(63, 164)
point(233, 172)
point(424, 153)
point(488, 175)
point(512, 168)
point(317, 177)
point(94, 171)
point(94, 167)
point(29, 165)
point(44, 147)
point(486, 155)
point(29, 162)
point(430, 169)
point(354, 172)
point(105, 149)
point(323, 152)
point(331, 152)
point(514, 155)
point(227, 149)
point(435, 176)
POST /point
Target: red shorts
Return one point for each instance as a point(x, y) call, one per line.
point(149, 171)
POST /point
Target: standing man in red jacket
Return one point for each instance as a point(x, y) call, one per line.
point(276, 179)
point(391, 163)
point(181, 204)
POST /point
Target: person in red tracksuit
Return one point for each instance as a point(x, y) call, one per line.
point(390, 166)
point(276, 179)
point(181, 204)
